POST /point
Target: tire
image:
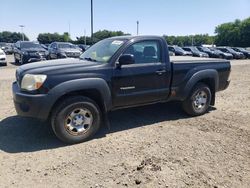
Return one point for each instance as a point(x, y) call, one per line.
point(76, 120)
point(21, 62)
point(198, 100)
point(16, 61)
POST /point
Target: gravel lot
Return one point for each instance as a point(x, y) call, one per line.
point(153, 146)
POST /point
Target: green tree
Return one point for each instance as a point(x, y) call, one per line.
point(245, 33)
point(187, 40)
point(11, 37)
point(81, 40)
point(235, 33)
point(100, 35)
point(47, 38)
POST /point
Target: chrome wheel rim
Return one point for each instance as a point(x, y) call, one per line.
point(200, 100)
point(78, 121)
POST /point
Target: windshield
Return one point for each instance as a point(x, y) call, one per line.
point(231, 50)
point(103, 50)
point(66, 45)
point(177, 48)
point(205, 49)
point(242, 50)
point(217, 51)
point(30, 45)
point(194, 49)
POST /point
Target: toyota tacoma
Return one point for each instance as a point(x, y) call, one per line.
point(76, 95)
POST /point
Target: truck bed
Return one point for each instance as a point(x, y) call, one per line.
point(188, 59)
point(183, 70)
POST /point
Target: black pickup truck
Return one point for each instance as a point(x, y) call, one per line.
point(75, 95)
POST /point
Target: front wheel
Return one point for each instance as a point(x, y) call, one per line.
point(76, 119)
point(198, 101)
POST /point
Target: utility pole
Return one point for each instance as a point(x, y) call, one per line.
point(85, 42)
point(92, 22)
point(22, 26)
point(192, 39)
point(69, 29)
point(137, 27)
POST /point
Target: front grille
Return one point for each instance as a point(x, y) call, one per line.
point(2, 59)
point(72, 54)
point(37, 54)
point(34, 54)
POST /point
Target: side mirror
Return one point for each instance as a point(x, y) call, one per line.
point(126, 59)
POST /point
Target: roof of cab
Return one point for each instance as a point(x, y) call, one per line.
point(129, 37)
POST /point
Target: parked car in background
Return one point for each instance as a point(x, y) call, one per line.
point(223, 55)
point(236, 55)
point(244, 51)
point(83, 47)
point(171, 53)
point(3, 60)
point(7, 48)
point(195, 51)
point(27, 52)
point(2, 45)
point(212, 54)
point(179, 51)
point(44, 46)
point(78, 48)
point(59, 50)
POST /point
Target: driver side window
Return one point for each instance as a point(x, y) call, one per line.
point(145, 52)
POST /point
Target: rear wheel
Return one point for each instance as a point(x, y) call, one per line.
point(76, 120)
point(198, 101)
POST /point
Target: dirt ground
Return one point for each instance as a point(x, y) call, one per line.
point(153, 146)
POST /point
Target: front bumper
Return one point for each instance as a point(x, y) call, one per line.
point(29, 105)
point(33, 58)
point(72, 54)
point(3, 62)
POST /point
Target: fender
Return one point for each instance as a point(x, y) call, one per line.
point(82, 84)
point(198, 76)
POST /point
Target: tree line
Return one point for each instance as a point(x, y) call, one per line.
point(195, 40)
point(11, 37)
point(235, 33)
point(46, 38)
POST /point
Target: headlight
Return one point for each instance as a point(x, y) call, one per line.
point(25, 53)
point(32, 82)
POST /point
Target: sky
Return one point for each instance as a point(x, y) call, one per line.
point(156, 17)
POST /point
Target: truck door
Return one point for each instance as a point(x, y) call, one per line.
point(145, 81)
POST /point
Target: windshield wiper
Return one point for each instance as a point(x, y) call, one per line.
point(90, 59)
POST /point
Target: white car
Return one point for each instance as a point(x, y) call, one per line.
point(3, 60)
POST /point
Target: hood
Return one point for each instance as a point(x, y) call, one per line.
point(187, 53)
point(240, 53)
point(227, 54)
point(33, 50)
point(60, 66)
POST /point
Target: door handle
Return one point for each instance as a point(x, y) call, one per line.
point(160, 72)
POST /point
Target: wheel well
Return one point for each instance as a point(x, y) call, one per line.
point(211, 84)
point(90, 93)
